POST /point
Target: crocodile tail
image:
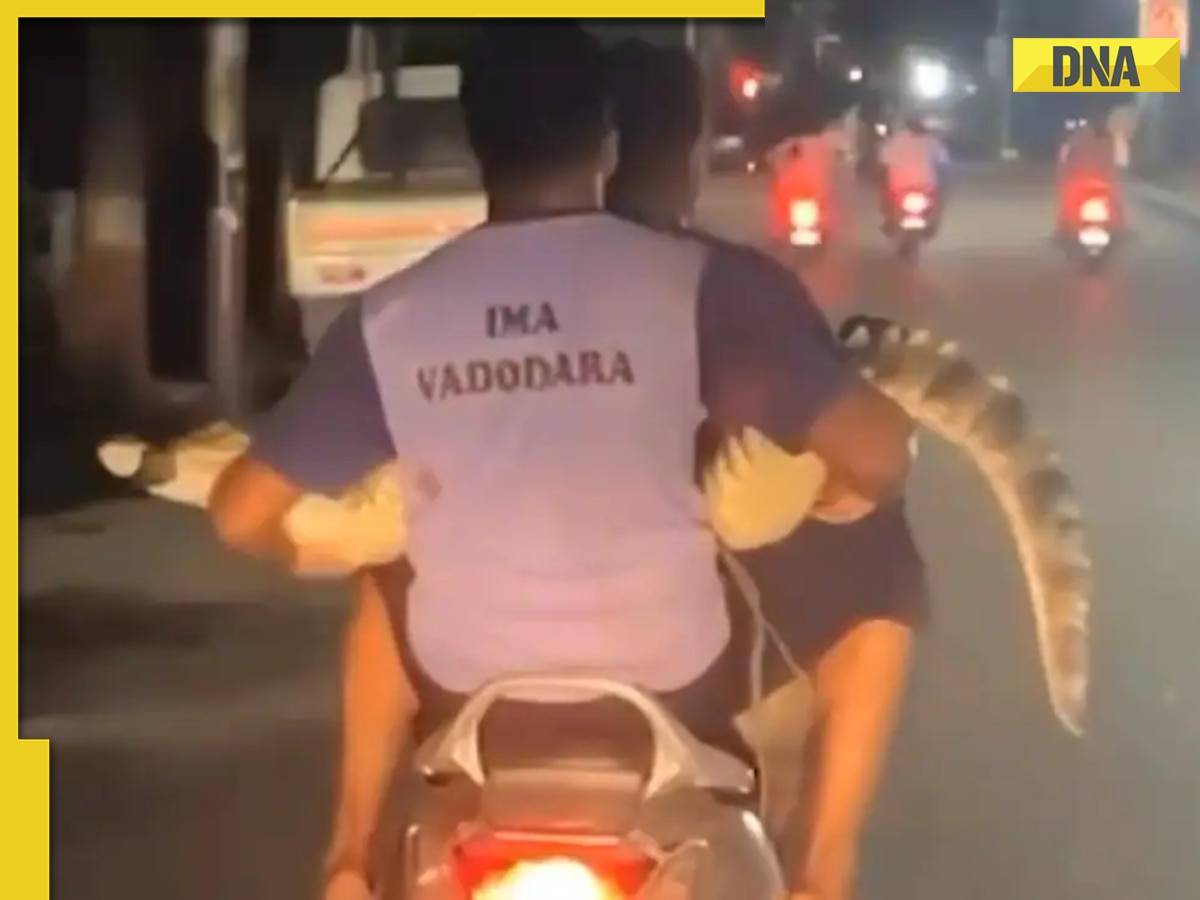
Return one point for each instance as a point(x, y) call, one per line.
point(947, 394)
point(364, 526)
point(144, 465)
point(182, 471)
point(122, 456)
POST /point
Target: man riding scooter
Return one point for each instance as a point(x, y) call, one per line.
point(1089, 181)
point(804, 201)
point(848, 625)
point(572, 539)
point(915, 164)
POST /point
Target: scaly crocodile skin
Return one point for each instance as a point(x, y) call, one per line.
point(948, 395)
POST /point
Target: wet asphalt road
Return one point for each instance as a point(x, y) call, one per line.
point(192, 697)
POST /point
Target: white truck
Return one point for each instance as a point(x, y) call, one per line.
point(394, 173)
point(394, 179)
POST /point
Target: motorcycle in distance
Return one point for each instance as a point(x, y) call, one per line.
point(911, 217)
point(1091, 225)
point(579, 788)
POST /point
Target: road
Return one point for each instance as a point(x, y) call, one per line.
point(192, 697)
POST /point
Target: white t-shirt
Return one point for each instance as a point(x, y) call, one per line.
point(912, 159)
point(541, 383)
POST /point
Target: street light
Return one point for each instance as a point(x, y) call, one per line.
point(930, 79)
point(855, 74)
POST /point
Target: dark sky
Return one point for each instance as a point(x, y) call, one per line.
point(950, 23)
point(969, 20)
point(937, 19)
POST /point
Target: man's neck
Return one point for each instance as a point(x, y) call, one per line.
point(655, 208)
point(536, 199)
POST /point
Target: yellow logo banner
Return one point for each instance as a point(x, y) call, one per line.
point(1095, 65)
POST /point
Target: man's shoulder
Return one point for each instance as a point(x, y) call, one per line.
point(442, 258)
point(636, 232)
point(725, 256)
point(683, 235)
point(744, 283)
point(464, 256)
point(431, 276)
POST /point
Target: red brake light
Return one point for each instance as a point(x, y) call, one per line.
point(556, 878)
point(498, 868)
point(746, 81)
point(806, 213)
point(914, 203)
point(1094, 210)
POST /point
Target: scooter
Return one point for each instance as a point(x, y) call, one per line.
point(911, 218)
point(580, 788)
point(1092, 225)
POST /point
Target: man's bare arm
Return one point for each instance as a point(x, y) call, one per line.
point(248, 505)
point(864, 439)
point(328, 432)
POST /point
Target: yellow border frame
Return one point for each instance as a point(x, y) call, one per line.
point(424, 9)
point(26, 764)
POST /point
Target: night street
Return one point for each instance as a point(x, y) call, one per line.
point(191, 696)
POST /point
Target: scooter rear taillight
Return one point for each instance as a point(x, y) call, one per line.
point(496, 867)
point(746, 81)
point(914, 203)
point(805, 213)
point(1094, 211)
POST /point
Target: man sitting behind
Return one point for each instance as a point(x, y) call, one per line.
point(844, 597)
point(1088, 163)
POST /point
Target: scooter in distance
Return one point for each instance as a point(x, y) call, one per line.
point(808, 228)
point(911, 218)
point(1092, 226)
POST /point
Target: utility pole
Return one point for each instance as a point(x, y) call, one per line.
point(224, 116)
point(1000, 61)
point(102, 312)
